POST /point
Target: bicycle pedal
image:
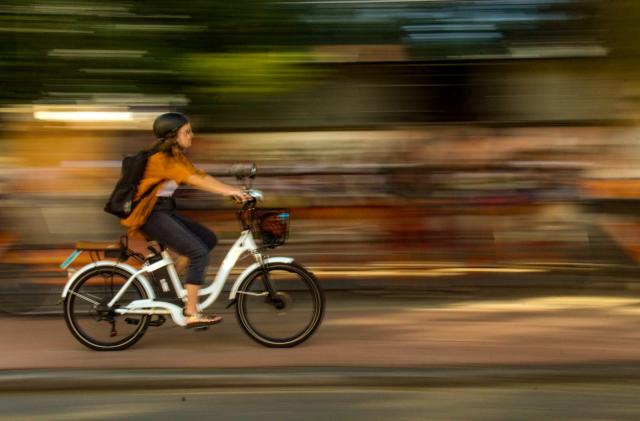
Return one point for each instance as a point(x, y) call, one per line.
point(158, 322)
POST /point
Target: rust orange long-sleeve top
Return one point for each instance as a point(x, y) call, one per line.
point(160, 166)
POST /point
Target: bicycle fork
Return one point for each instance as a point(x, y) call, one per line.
point(265, 275)
point(273, 297)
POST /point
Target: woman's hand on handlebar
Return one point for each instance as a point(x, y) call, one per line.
point(240, 196)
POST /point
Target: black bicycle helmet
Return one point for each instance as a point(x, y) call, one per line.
point(167, 124)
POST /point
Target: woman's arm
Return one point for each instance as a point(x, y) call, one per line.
point(210, 184)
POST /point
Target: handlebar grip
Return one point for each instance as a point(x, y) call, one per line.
point(249, 203)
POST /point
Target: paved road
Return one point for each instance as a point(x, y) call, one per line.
point(460, 354)
point(369, 329)
point(531, 402)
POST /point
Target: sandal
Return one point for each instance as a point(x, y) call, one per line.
point(200, 320)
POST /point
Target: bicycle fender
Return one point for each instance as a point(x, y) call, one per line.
point(247, 271)
point(128, 268)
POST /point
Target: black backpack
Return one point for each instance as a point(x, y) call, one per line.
point(121, 202)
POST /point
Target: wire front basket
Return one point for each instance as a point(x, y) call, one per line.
point(271, 226)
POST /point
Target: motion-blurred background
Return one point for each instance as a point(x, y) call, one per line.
point(416, 142)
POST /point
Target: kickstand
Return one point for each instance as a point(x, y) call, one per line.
point(114, 332)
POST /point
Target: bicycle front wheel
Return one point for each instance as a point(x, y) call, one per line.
point(287, 317)
point(87, 316)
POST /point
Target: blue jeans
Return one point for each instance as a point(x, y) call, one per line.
point(182, 235)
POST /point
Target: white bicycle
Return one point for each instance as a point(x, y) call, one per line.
point(108, 305)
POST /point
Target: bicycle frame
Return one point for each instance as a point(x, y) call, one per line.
point(150, 306)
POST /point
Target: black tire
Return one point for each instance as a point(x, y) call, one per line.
point(300, 312)
point(83, 319)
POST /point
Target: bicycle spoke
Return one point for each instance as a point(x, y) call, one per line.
point(85, 298)
point(254, 294)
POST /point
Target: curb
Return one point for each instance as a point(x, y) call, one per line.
point(406, 377)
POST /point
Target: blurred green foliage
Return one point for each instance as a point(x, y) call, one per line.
point(231, 74)
point(249, 54)
point(61, 51)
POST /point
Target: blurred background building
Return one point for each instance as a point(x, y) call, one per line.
point(415, 141)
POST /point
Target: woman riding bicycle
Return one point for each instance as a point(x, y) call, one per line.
point(156, 217)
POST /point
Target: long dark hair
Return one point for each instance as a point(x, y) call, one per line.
point(168, 145)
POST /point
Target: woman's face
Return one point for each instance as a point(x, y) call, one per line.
point(184, 136)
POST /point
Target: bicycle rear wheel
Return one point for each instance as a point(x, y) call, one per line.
point(291, 317)
point(88, 318)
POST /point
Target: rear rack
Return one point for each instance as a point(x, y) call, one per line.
point(101, 250)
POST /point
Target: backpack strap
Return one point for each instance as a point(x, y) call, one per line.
point(149, 190)
point(150, 152)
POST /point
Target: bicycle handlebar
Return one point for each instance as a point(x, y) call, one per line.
point(243, 171)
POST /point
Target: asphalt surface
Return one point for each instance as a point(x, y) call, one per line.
point(453, 353)
point(370, 329)
point(529, 402)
